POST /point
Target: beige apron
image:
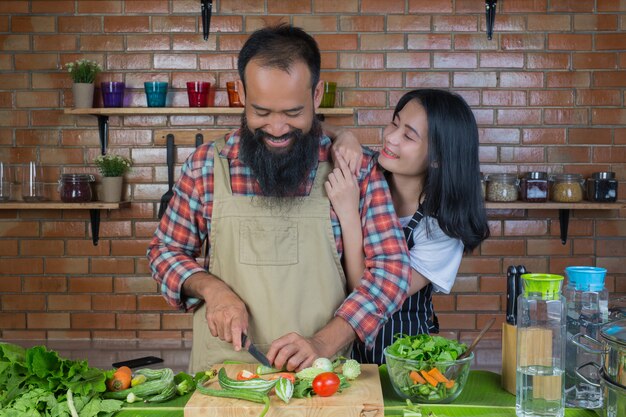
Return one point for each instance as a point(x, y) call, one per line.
point(282, 263)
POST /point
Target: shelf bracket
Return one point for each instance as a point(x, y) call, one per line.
point(563, 223)
point(95, 225)
point(103, 130)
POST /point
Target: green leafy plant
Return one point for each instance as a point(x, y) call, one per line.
point(112, 165)
point(83, 70)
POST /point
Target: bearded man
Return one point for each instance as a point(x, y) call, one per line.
point(274, 270)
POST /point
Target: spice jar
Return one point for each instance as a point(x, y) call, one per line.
point(567, 188)
point(502, 187)
point(602, 186)
point(75, 188)
point(534, 187)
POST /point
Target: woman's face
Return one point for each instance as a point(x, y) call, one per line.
point(405, 142)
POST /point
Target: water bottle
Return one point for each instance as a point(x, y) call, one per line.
point(540, 347)
point(587, 310)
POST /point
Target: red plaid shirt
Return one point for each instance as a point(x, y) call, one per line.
point(178, 240)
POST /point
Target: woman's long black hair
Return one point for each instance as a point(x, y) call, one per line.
point(452, 191)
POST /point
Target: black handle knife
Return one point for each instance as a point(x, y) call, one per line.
point(207, 10)
point(521, 270)
point(511, 295)
point(256, 353)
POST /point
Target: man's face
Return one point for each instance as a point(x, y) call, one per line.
point(279, 133)
point(279, 102)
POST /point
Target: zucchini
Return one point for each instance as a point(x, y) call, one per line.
point(165, 395)
point(247, 395)
point(257, 384)
point(151, 387)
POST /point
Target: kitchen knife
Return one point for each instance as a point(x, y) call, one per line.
point(256, 353)
point(521, 270)
point(511, 295)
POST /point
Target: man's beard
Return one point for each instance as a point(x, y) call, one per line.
point(280, 174)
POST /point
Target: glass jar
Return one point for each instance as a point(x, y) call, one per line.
point(75, 188)
point(541, 336)
point(502, 187)
point(602, 187)
point(534, 187)
point(567, 188)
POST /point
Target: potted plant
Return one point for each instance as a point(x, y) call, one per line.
point(83, 73)
point(112, 168)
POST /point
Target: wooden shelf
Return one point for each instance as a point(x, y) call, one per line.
point(94, 208)
point(563, 208)
point(103, 114)
point(185, 111)
point(59, 205)
point(585, 205)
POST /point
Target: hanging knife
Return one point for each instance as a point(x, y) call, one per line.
point(490, 11)
point(521, 270)
point(256, 353)
point(207, 10)
point(511, 295)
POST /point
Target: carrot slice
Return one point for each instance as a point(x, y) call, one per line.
point(450, 383)
point(439, 377)
point(432, 381)
point(417, 379)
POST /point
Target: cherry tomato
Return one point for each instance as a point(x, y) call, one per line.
point(326, 384)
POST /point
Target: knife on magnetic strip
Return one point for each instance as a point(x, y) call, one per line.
point(256, 353)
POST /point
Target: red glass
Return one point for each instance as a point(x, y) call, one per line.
point(198, 93)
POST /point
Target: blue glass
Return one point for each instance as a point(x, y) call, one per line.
point(156, 93)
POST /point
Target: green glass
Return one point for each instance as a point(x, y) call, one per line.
point(328, 99)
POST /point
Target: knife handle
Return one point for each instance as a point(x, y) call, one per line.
point(511, 295)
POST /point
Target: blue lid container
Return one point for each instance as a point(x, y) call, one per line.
point(586, 278)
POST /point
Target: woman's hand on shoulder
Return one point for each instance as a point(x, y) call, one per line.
point(342, 188)
point(346, 144)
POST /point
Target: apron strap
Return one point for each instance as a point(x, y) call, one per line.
point(410, 227)
point(221, 172)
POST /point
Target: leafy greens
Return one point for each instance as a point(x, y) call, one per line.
point(34, 383)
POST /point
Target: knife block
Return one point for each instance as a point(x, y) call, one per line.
point(509, 357)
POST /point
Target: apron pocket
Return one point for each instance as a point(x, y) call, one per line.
point(269, 242)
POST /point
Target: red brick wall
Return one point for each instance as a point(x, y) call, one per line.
point(548, 92)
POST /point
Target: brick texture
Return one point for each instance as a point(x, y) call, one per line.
point(548, 92)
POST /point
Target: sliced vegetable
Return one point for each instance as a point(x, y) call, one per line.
point(284, 389)
point(439, 377)
point(416, 377)
point(245, 375)
point(326, 384)
point(264, 370)
point(432, 381)
point(286, 375)
point(309, 374)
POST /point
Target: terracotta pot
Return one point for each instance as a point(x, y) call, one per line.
point(111, 189)
point(83, 95)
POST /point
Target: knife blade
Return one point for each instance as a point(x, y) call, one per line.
point(256, 353)
point(511, 295)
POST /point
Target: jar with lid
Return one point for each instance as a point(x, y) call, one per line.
point(534, 187)
point(602, 187)
point(567, 188)
point(502, 187)
point(75, 188)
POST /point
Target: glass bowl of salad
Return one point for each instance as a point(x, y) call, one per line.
point(425, 368)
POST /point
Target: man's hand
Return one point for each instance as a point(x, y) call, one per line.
point(293, 352)
point(227, 317)
point(226, 314)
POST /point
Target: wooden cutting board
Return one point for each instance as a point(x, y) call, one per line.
point(364, 398)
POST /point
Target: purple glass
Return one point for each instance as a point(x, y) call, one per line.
point(113, 93)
